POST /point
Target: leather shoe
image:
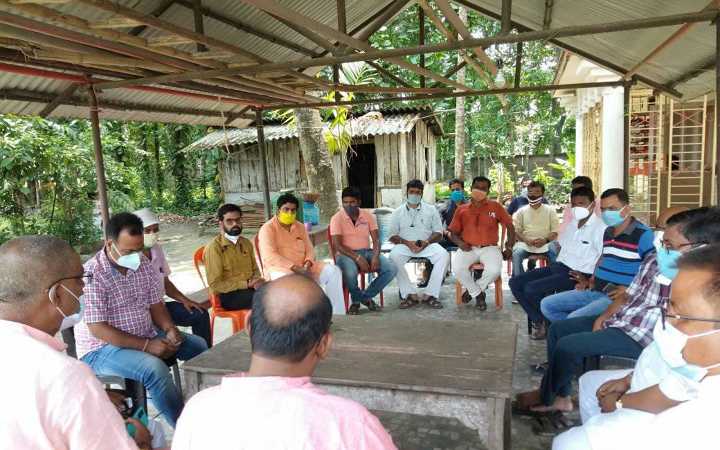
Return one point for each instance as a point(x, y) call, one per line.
point(480, 302)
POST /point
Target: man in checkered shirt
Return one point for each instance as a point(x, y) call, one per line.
point(623, 330)
point(126, 330)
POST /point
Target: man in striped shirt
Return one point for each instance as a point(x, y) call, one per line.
point(626, 243)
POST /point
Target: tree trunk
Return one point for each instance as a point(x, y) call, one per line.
point(318, 165)
point(158, 169)
point(460, 116)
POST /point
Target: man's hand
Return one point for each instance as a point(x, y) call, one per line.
point(307, 264)
point(464, 246)
point(255, 283)
point(597, 325)
point(413, 248)
point(423, 245)
point(300, 270)
point(174, 336)
point(375, 264)
point(362, 264)
point(619, 387)
point(607, 402)
point(582, 282)
point(142, 434)
point(190, 305)
point(618, 295)
point(539, 242)
point(161, 348)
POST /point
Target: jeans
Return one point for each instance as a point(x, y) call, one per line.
point(566, 305)
point(531, 287)
point(199, 320)
point(350, 272)
point(569, 342)
point(149, 370)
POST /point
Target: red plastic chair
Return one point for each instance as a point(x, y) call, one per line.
point(361, 276)
point(237, 316)
point(478, 267)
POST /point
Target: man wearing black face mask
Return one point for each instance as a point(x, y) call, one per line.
point(351, 230)
point(230, 265)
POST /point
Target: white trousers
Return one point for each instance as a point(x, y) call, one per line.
point(573, 439)
point(330, 280)
point(438, 256)
point(589, 384)
point(491, 259)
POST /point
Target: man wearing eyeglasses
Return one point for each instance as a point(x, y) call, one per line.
point(50, 400)
point(126, 329)
point(623, 330)
point(669, 401)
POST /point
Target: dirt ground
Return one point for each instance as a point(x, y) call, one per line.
point(410, 432)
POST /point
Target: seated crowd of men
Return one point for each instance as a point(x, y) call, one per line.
point(604, 291)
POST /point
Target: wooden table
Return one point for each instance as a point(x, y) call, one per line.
point(460, 369)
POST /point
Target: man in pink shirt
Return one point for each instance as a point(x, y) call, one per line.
point(51, 401)
point(351, 229)
point(275, 404)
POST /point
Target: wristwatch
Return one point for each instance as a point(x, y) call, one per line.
point(619, 403)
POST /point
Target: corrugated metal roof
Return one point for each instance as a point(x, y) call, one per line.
point(368, 125)
point(626, 49)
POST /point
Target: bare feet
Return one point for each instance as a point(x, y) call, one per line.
point(562, 404)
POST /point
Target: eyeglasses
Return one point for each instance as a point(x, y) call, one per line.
point(85, 277)
point(667, 246)
point(664, 315)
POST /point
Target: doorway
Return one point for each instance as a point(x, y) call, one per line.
point(362, 173)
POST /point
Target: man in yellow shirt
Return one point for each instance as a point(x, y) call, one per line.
point(536, 225)
point(230, 265)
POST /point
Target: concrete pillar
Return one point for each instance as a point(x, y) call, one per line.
point(579, 143)
point(612, 139)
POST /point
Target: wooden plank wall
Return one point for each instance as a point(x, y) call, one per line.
point(387, 152)
point(243, 170)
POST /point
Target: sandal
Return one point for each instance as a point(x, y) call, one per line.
point(408, 303)
point(354, 309)
point(371, 305)
point(552, 424)
point(433, 303)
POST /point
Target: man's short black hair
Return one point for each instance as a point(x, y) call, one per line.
point(456, 181)
point(351, 191)
point(417, 184)
point(536, 184)
point(617, 192)
point(683, 217)
point(706, 259)
point(583, 191)
point(291, 341)
point(703, 228)
point(582, 179)
point(287, 198)
point(482, 178)
point(227, 208)
point(124, 221)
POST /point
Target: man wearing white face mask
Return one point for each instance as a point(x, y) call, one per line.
point(670, 400)
point(126, 329)
point(52, 401)
point(183, 311)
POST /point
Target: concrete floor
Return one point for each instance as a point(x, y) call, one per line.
point(410, 432)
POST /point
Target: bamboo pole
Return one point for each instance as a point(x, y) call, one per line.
point(263, 161)
point(582, 30)
point(99, 163)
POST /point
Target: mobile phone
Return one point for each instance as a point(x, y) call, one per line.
point(609, 288)
point(141, 417)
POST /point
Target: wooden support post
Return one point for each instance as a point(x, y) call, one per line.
point(626, 135)
point(336, 81)
point(506, 18)
point(421, 40)
point(518, 64)
point(99, 163)
point(263, 161)
point(199, 25)
point(717, 106)
point(342, 27)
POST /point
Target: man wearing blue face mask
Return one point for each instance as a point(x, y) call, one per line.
point(126, 329)
point(669, 400)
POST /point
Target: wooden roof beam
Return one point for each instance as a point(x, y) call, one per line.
point(157, 12)
point(272, 7)
point(115, 22)
point(547, 16)
point(64, 95)
point(463, 31)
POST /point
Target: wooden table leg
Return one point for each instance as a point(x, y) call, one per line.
point(499, 424)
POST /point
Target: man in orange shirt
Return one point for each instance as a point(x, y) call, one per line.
point(474, 230)
point(351, 229)
point(285, 248)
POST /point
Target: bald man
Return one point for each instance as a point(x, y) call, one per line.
point(51, 401)
point(623, 330)
point(289, 331)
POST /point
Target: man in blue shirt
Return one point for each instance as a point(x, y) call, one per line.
point(626, 243)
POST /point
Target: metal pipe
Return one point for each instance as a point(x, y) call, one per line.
point(717, 104)
point(99, 163)
point(468, 93)
point(583, 30)
point(626, 135)
point(263, 160)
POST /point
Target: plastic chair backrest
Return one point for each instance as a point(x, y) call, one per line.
point(198, 261)
point(330, 244)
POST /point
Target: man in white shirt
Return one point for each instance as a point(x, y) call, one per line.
point(536, 225)
point(581, 246)
point(51, 401)
point(416, 229)
point(670, 399)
